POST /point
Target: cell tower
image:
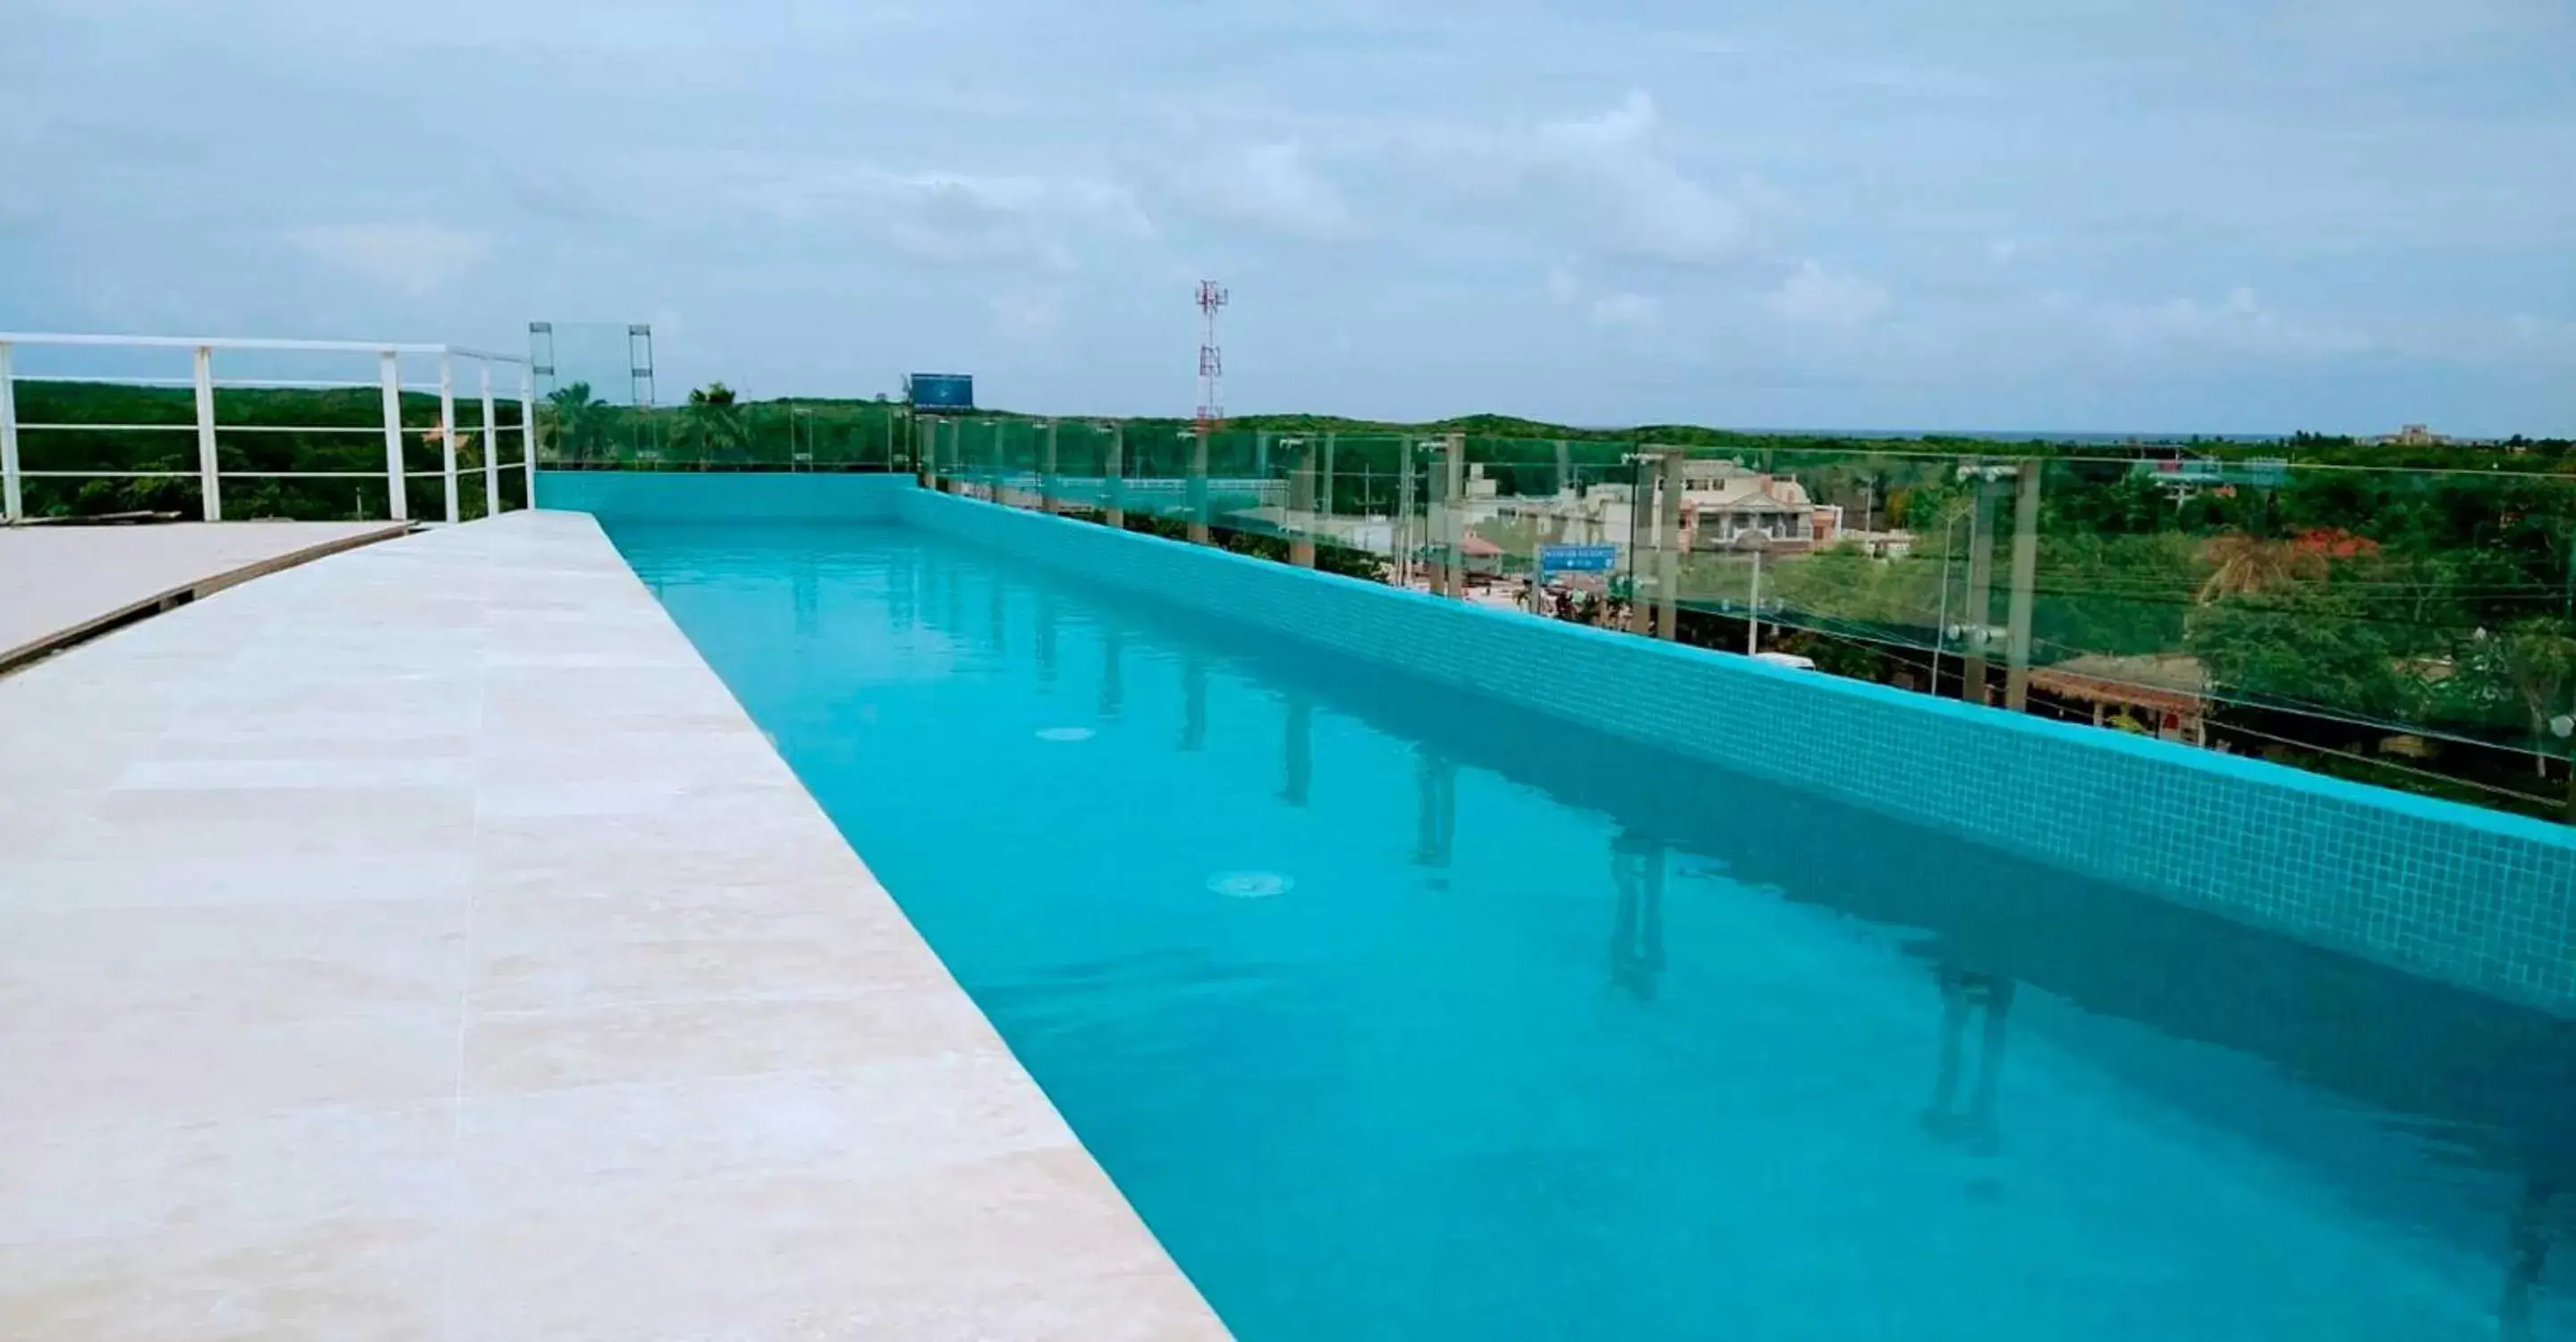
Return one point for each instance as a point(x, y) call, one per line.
point(1211, 358)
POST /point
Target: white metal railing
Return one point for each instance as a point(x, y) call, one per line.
point(210, 474)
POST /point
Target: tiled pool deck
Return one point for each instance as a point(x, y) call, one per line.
point(423, 943)
point(59, 582)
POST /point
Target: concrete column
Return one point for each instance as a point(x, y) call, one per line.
point(1199, 488)
point(1453, 548)
point(1979, 612)
point(1324, 478)
point(1046, 472)
point(1113, 483)
point(1301, 505)
point(1405, 529)
point(1668, 548)
point(2025, 572)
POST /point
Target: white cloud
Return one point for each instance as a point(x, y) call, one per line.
point(1271, 187)
point(2239, 323)
point(1652, 208)
point(955, 217)
point(1607, 181)
point(1563, 286)
point(410, 259)
point(1815, 296)
point(1626, 309)
point(1613, 308)
point(1028, 314)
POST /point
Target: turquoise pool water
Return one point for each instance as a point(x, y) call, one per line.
point(1398, 1014)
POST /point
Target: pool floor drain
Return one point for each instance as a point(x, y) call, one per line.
point(1249, 884)
point(1065, 734)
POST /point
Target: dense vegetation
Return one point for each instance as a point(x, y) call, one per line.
point(2393, 607)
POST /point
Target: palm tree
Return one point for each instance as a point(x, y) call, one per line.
point(2539, 659)
point(715, 420)
point(579, 420)
point(2243, 565)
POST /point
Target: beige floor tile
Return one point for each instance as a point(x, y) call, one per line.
point(57, 1077)
point(509, 1052)
point(379, 767)
point(859, 919)
point(553, 978)
point(70, 969)
point(790, 1255)
point(383, 1280)
point(150, 880)
point(396, 822)
point(896, 1118)
point(149, 1174)
point(519, 858)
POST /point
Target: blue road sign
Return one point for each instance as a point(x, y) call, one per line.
point(1577, 558)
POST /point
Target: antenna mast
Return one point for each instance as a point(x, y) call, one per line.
point(1212, 297)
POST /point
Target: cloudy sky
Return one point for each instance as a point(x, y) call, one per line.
point(2220, 215)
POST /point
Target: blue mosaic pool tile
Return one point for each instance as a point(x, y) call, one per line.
point(2477, 898)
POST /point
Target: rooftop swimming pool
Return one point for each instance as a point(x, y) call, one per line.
point(1403, 1013)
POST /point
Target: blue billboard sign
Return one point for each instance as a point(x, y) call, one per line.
point(940, 391)
point(1577, 558)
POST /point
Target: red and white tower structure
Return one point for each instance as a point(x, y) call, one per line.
point(1211, 358)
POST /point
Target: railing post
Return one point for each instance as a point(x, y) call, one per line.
point(1402, 540)
point(2025, 574)
point(13, 505)
point(389, 375)
point(1643, 544)
point(491, 445)
point(1301, 503)
point(1198, 484)
point(447, 430)
point(1980, 594)
point(1453, 457)
point(209, 477)
point(1668, 554)
point(528, 432)
point(1114, 482)
point(1324, 478)
point(1046, 473)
